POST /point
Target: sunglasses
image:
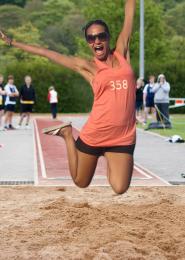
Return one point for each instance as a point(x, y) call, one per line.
point(103, 36)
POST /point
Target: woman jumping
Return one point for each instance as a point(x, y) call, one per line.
point(110, 129)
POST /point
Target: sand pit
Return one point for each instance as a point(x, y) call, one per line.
point(55, 223)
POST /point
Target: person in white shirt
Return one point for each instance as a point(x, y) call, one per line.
point(10, 101)
point(53, 100)
point(148, 98)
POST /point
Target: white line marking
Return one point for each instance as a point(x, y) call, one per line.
point(42, 164)
point(97, 177)
point(152, 133)
point(153, 174)
point(72, 185)
point(142, 172)
point(35, 165)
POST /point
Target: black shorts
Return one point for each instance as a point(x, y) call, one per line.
point(139, 105)
point(10, 108)
point(99, 151)
point(1, 107)
point(149, 104)
point(26, 108)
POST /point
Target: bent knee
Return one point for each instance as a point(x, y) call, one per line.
point(120, 189)
point(81, 183)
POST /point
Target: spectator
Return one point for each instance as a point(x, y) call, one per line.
point(139, 99)
point(161, 99)
point(2, 94)
point(27, 99)
point(53, 100)
point(10, 101)
point(148, 98)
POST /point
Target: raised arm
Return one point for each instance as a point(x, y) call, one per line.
point(74, 63)
point(122, 45)
point(166, 87)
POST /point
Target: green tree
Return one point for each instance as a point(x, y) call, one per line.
point(11, 16)
point(61, 37)
point(175, 18)
point(52, 12)
point(26, 33)
point(168, 4)
point(178, 48)
point(13, 2)
point(33, 5)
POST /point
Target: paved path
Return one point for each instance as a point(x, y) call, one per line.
point(17, 155)
point(166, 159)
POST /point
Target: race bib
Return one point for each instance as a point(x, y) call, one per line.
point(118, 84)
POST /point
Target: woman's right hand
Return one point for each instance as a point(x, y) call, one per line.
point(5, 38)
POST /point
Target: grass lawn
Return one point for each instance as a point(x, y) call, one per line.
point(178, 126)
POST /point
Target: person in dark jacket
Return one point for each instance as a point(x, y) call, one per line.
point(27, 100)
point(139, 99)
point(2, 95)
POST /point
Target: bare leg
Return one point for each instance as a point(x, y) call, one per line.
point(1, 116)
point(153, 111)
point(10, 117)
point(137, 113)
point(7, 115)
point(139, 116)
point(120, 168)
point(27, 118)
point(81, 165)
point(21, 119)
point(146, 111)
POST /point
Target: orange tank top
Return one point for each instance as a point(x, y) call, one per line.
point(112, 120)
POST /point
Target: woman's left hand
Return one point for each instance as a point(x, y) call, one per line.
point(5, 38)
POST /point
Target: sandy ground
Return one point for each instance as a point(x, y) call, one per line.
point(57, 223)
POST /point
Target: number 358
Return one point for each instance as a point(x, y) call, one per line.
point(118, 84)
